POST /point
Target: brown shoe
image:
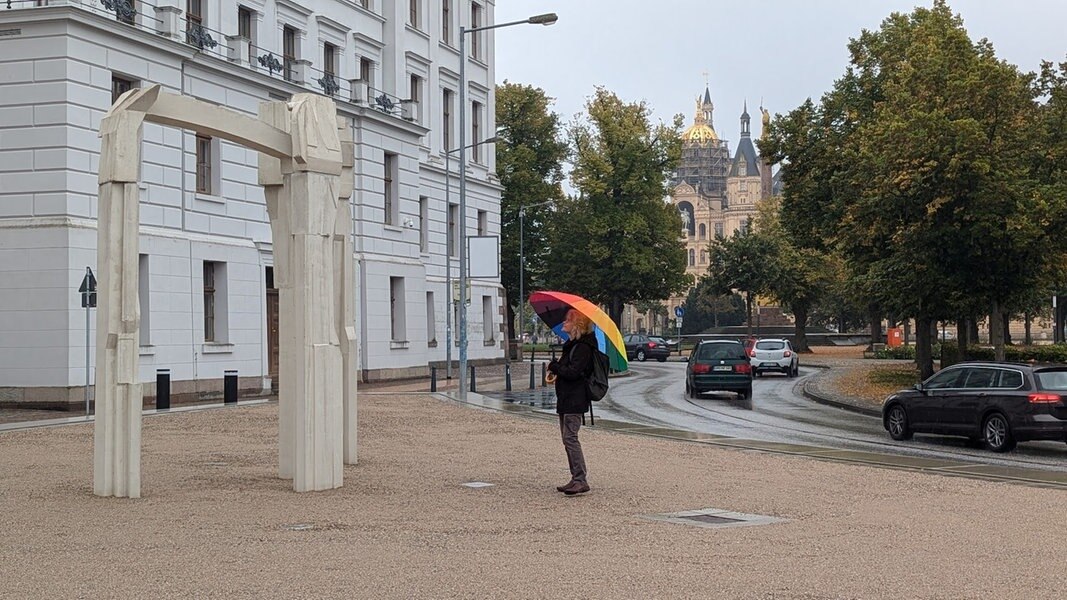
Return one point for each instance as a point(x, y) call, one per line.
point(576, 487)
point(563, 488)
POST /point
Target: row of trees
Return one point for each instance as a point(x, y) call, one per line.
point(930, 182)
point(616, 241)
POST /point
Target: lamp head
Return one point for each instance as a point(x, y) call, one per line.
point(545, 19)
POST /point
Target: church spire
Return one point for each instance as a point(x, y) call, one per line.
point(746, 122)
point(707, 107)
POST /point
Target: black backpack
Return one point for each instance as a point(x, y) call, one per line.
point(597, 382)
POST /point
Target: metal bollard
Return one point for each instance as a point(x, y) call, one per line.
point(474, 387)
point(531, 376)
point(507, 378)
point(553, 353)
point(229, 387)
point(544, 374)
point(162, 389)
point(433, 379)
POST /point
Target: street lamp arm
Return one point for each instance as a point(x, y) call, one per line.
point(545, 19)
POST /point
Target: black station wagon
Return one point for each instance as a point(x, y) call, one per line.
point(997, 403)
point(718, 366)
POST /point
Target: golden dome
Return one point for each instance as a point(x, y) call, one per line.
point(700, 132)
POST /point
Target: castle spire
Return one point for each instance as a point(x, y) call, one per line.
point(746, 122)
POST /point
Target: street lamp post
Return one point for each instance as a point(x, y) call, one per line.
point(545, 19)
point(448, 258)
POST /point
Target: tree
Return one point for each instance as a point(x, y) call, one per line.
point(706, 307)
point(529, 157)
point(745, 262)
point(618, 242)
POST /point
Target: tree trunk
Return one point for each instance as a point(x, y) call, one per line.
point(800, 335)
point(615, 311)
point(907, 331)
point(1027, 337)
point(748, 314)
point(924, 358)
point(876, 325)
point(996, 331)
point(963, 333)
point(972, 337)
point(1007, 329)
point(511, 321)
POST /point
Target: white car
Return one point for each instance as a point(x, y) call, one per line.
point(775, 355)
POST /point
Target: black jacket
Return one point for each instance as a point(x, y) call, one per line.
point(575, 364)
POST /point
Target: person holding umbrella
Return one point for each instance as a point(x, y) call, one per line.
point(569, 374)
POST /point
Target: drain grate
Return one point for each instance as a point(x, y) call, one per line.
point(300, 527)
point(714, 518)
point(477, 484)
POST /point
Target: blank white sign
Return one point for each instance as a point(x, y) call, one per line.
point(483, 256)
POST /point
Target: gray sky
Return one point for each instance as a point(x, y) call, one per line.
point(781, 50)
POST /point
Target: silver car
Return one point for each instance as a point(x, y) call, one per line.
point(775, 355)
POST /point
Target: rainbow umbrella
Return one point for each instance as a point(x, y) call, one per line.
point(552, 307)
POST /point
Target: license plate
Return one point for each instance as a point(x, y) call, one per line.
point(722, 368)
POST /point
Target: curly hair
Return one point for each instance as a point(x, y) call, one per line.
point(582, 322)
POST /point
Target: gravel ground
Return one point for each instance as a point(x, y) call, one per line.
point(214, 521)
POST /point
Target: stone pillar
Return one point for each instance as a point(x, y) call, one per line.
point(346, 290)
point(301, 71)
point(237, 50)
point(170, 22)
point(117, 431)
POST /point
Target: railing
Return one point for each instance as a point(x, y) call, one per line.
point(170, 22)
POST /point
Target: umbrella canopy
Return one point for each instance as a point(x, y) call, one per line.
point(552, 307)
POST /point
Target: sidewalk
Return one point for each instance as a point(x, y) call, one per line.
point(216, 523)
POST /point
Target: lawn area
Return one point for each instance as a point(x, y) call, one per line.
point(873, 383)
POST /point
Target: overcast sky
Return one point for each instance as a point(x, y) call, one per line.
point(782, 51)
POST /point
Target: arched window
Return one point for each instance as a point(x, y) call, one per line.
point(703, 231)
point(703, 257)
point(692, 258)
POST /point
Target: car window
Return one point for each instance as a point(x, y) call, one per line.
point(720, 351)
point(1051, 380)
point(1012, 379)
point(979, 378)
point(770, 345)
point(658, 340)
point(945, 379)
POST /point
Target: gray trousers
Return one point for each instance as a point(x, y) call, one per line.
point(568, 429)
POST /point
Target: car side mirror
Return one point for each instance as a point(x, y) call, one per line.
point(919, 388)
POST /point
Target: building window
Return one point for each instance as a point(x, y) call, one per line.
point(120, 86)
point(392, 205)
point(424, 224)
point(366, 71)
point(144, 299)
point(365, 4)
point(453, 229)
point(692, 257)
point(483, 222)
point(194, 14)
point(487, 318)
point(446, 128)
point(476, 38)
point(329, 59)
point(413, 13)
point(415, 95)
point(718, 230)
point(742, 168)
point(703, 257)
point(214, 301)
point(431, 321)
point(289, 55)
point(446, 21)
point(476, 131)
point(203, 164)
point(742, 186)
point(245, 19)
point(396, 309)
point(703, 231)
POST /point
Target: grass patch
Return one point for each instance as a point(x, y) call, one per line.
point(895, 377)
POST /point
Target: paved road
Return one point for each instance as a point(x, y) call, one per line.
point(778, 412)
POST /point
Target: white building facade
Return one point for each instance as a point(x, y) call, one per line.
point(208, 303)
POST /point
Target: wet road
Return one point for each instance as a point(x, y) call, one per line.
point(778, 412)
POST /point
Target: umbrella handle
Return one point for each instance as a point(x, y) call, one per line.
point(550, 377)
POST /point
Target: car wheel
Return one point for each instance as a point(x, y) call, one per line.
point(692, 391)
point(662, 359)
point(641, 355)
point(747, 394)
point(997, 433)
point(757, 374)
point(897, 421)
point(796, 370)
point(789, 371)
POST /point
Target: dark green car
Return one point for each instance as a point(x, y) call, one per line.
point(718, 366)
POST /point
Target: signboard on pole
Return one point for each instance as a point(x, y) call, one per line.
point(483, 256)
point(88, 289)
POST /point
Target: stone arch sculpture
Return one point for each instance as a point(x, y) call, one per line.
point(305, 165)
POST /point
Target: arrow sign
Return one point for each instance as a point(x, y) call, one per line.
point(679, 311)
point(88, 289)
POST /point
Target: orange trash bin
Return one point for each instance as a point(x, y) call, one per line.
point(894, 337)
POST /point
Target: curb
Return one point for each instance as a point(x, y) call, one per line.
point(821, 399)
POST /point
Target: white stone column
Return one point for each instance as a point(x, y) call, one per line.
point(117, 431)
point(346, 290)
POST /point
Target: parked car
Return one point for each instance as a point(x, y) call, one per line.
point(718, 365)
point(672, 345)
point(749, 343)
point(774, 355)
point(643, 347)
point(998, 403)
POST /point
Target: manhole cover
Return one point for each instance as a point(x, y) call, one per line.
point(714, 518)
point(300, 527)
point(477, 484)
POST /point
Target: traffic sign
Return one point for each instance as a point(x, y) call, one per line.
point(88, 289)
point(679, 311)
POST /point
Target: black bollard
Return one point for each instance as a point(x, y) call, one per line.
point(229, 387)
point(162, 389)
point(531, 376)
point(544, 374)
point(553, 353)
point(507, 378)
point(474, 387)
point(433, 379)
